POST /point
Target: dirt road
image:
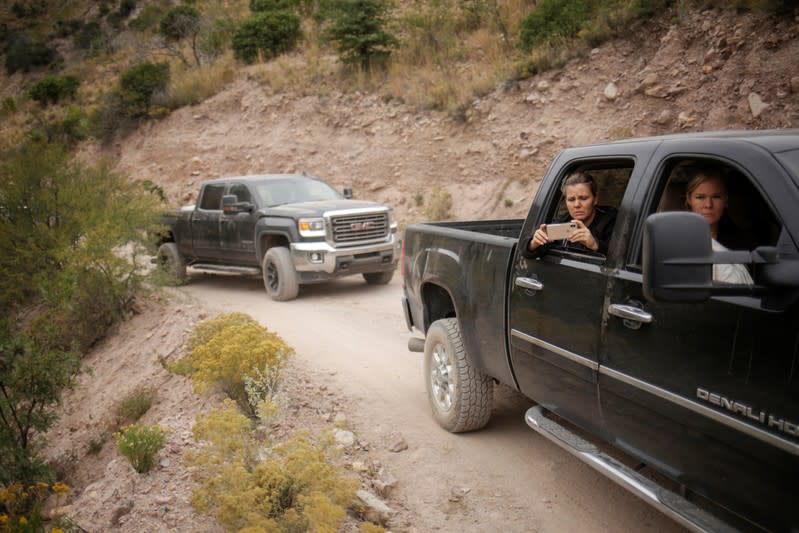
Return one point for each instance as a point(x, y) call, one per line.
point(503, 478)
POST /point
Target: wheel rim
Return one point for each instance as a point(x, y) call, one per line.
point(272, 279)
point(442, 378)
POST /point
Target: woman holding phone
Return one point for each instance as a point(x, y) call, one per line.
point(592, 224)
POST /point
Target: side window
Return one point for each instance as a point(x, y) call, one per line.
point(608, 182)
point(739, 216)
point(212, 197)
point(240, 191)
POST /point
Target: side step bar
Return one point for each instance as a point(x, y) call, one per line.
point(226, 268)
point(666, 501)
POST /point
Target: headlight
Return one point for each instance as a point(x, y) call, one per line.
point(312, 227)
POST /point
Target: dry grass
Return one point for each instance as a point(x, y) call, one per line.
point(190, 86)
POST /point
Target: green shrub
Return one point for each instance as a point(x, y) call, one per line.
point(52, 89)
point(358, 29)
point(148, 18)
point(140, 445)
point(553, 20)
point(24, 55)
point(92, 39)
point(138, 84)
point(260, 6)
point(134, 405)
point(8, 106)
point(268, 34)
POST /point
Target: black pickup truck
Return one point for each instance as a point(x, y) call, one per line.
point(639, 349)
point(292, 229)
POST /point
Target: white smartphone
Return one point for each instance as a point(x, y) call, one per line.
point(556, 232)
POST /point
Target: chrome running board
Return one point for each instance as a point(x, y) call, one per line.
point(666, 501)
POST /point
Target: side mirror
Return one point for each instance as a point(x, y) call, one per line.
point(348, 193)
point(231, 205)
point(677, 262)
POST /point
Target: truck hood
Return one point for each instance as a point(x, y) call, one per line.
point(317, 209)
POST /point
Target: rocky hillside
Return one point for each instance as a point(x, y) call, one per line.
point(708, 70)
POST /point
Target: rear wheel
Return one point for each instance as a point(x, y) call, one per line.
point(280, 277)
point(460, 395)
point(378, 278)
point(172, 263)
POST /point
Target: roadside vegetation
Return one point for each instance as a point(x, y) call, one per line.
point(245, 480)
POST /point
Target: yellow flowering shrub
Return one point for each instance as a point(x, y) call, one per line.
point(20, 505)
point(140, 444)
point(242, 358)
point(295, 489)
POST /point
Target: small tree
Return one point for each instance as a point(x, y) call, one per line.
point(182, 23)
point(269, 33)
point(138, 84)
point(52, 89)
point(31, 382)
point(358, 29)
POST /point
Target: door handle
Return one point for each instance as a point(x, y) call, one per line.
point(529, 283)
point(630, 312)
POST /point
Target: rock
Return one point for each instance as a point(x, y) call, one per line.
point(756, 104)
point(340, 420)
point(398, 443)
point(611, 91)
point(375, 509)
point(385, 485)
point(795, 85)
point(656, 91)
point(125, 508)
point(359, 466)
point(458, 493)
point(684, 120)
point(542, 85)
point(527, 153)
point(664, 117)
point(343, 437)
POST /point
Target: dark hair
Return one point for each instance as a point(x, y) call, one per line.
point(576, 178)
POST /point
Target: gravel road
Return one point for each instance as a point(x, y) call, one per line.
point(503, 478)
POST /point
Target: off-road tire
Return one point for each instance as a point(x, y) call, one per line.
point(378, 278)
point(460, 396)
point(280, 277)
point(170, 260)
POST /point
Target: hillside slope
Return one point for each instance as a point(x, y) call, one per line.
point(709, 70)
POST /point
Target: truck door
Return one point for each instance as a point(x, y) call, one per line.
point(205, 222)
point(709, 392)
point(238, 229)
point(556, 299)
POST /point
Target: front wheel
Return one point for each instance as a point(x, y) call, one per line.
point(378, 278)
point(460, 395)
point(280, 277)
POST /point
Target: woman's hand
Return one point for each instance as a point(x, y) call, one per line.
point(539, 238)
point(584, 236)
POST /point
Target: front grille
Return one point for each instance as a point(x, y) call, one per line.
point(359, 228)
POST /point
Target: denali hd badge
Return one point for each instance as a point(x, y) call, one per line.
point(748, 412)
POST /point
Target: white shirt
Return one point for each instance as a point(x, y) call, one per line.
point(736, 274)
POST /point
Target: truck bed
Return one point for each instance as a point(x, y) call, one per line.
point(470, 261)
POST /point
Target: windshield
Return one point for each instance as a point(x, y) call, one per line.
point(291, 190)
point(790, 160)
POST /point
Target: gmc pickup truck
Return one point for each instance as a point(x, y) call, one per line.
point(291, 229)
point(638, 349)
